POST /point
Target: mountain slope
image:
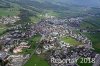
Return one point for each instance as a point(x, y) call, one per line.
point(61, 7)
point(87, 3)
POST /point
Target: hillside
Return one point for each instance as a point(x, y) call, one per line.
point(40, 7)
point(26, 21)
point(58, 8)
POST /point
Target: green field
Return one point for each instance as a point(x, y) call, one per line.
point(96, 22)
point(9, 11)
point(85, 25)
point(36, 61)
point(95, 38)
point(33, 42)
point(35, 19)
point(2, 28)
point(91, 22)
point(71, 41)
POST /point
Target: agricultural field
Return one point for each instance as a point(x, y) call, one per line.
point(9, 12)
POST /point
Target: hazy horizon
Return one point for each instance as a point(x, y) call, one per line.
point(89, 3)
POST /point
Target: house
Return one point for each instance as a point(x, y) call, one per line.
point(3, 58)
point(3, 55)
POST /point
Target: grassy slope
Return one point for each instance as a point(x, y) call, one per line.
point(93, 23)
point(95, 38)
point(9, 11)
point(13, 10)
point(85, 25)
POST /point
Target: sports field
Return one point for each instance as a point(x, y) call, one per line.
point(71, 41)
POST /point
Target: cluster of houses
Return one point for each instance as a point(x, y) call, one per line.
point(15, 40)
point(60, 49)
point(57, 49)
point(13, 43)
point(66, 53)
point(9, 19)
point(75, 22)
point(17, 59)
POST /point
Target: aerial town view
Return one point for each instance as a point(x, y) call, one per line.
point(49, 32)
